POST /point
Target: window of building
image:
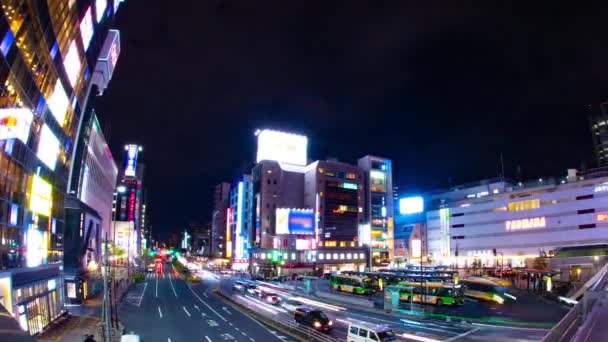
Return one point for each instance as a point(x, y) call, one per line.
point(330, 173)
point(335, 256)
point(524, 205)
point(351, 175)
point(321, 256)
point(274, 182)
point(341, 256)
point(361, 255)
point(342, 243)
point(330, 243)
point(268, 181)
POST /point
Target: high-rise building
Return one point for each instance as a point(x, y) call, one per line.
point(89, 205)
point(598, 117)
point(336, 190)
point(239, 234)
point(52, 54)
point(379, 207)
point(221, 203)
point(127, 229)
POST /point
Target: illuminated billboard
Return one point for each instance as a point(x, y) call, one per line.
point(377, 181)
point(100, 9)
point(131, 162)
point(41, 196)
point(48, 147)
point(295, 221)
point(72, 64)
point(58, 103)
point(15, 123)
point(86, 28)
point(282, 147)
point(36, 250)
point(411, 205)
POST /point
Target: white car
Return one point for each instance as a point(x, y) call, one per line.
point(252, 289)
point(291, 305)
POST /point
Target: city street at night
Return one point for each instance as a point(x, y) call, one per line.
point(165, 308)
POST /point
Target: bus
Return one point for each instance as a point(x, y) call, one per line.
point(488, 289)
point(431, 293)
point(352, 284)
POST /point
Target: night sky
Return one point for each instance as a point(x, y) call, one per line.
point(442, 90)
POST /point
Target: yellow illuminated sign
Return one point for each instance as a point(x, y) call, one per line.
point(41, 197)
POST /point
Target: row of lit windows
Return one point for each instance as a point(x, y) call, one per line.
point(340, 256)
point(333, 243)
point(338, 174)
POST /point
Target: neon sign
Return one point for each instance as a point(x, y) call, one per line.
point(602, 217)
point(535, 222)
point(601, 188)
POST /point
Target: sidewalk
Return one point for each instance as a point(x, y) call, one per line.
point(82, 320)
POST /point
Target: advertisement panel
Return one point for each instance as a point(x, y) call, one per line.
point(282, 147)
point(100, 9)
point(131, 162)
point(411, 205)
point(72, 63)
point(86, 28)
point(301, 222)
point(377, 181)
point(48, 147)
point(41, 196)
point(282, 221)
point(295, 221)
point(58, 103)
point(15, 123)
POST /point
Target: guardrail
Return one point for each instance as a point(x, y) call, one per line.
point(289, 327)
point(567, 328)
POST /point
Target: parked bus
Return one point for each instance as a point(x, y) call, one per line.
point(488, 289)
point(352, 284)
point(431, 293)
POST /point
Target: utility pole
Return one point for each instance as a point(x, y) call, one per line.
point(106, 294)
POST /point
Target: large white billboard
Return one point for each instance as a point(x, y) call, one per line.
point(282, 147)
point(72, 63)
point(58, 103)
point(48, 147)
point(86, 28)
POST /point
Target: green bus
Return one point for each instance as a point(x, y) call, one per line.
point(352, 284)
point(431, 293)
point(487, 289)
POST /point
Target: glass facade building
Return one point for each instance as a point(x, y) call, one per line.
point(48, 54)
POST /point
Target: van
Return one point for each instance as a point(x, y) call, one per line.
point(367, 332)
point(313, 318)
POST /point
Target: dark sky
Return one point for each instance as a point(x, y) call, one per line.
point(442, 90)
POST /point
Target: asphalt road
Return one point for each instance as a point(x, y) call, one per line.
point(408, 328)
point(165, 308)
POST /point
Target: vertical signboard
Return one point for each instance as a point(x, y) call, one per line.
point(444, 232)
point(131, 161)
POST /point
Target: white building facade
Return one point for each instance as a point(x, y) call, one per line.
point(499, 223)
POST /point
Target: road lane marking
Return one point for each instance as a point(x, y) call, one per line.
point(508, 327)
point(229, 323)
point(187, 313)
point(205, 295)
point(168, 339)
point(212, 323)
point(156, 287)
point(207, 305)
point(252, 339)
point(208, 339)
point(142, 294)
point(419, 338)
point(171, 282)
point(242, 332)
point(226, 309)
point(196, 307)
point(203, 314)
point(462, 335)
point(160, 313)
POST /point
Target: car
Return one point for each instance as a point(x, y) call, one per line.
point(368, 332)
point(313, 318)
point(270, 297)
point(151, 268)
point(239, 285)
point(291, 305)
point(252, 289)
